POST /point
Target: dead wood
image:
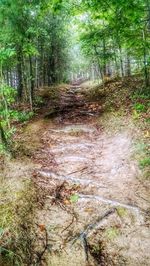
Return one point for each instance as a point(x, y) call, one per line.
point(84, 234)
point(41, 254)
point(77, 171)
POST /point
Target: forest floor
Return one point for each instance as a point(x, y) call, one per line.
point(92, 202)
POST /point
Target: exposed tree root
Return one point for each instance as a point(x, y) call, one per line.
point(89, 230)
point(41, 254)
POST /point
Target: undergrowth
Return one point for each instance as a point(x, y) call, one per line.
point(18, 232)
point(126, 104)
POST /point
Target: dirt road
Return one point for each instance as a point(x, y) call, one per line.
point(95, 206)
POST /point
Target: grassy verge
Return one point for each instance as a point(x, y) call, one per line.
point(126, 104)
point(17, 218)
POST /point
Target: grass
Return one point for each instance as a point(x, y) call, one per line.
point(144, 162)
point(17, 231)
point(142, 155)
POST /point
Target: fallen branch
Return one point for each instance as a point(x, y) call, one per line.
point(77, 171)
point(68, 178)
point(40, 255)
point(84, 234)
point(111, 202)
point(66, 228)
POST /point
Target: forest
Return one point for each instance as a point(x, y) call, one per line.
point(74, 132)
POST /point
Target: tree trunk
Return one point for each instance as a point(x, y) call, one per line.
point(31, 76)
point(19, 70)
point(36, 73)
point(121, 61)
point(3, 137)
point(99, 66)
point(128, 66)
point(104, 58)
point(146, 76)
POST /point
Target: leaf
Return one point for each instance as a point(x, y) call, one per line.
point(42, 227)
point(74, 198)
point(147, 134)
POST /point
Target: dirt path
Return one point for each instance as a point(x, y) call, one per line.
point(82, 163)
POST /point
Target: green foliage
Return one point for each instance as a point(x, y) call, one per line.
point(144, 162)
point(7, 114)
point(17, 231)
point(39, 101)
point(139, 95)
point(139, 107)
point(7, 97)
point(6, 54)
point(24, 116)
point(74, 198)
point(2, 148)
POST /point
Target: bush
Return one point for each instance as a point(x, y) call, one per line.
point(24, 116)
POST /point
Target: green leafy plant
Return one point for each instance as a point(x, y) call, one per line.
point(7, 97)
point(74, 198)
point(139, 107)
point(24, 116)
point(144, 162)
point(39, 101)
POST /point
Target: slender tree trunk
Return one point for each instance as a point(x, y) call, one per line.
point(31, 76)
point(128, 66)
point(31, 81)
point(121, 61)
point(36, 73)
point(148, 16)
point(116, 65)
point(19, 70)
point(146, 76)
point(49, 71)
point(11, 78)
point(99, 66)
point(41, 63)
point(104, 58)
point(2, 136)
point(7, 77)
point(25, 83)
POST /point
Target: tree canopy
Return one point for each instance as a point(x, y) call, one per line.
point(49, 42)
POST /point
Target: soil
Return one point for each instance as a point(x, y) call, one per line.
point(86, 171)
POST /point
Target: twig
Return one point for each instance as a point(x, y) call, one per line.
point(80, 170)
point(85, 246)
point(40, 256)
point(72, 221)
point(84, 234)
